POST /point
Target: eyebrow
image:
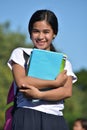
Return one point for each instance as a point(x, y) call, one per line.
point(36, 29)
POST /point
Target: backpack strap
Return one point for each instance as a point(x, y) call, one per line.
point(26, 57)
point(15, 102)
point(11, 96)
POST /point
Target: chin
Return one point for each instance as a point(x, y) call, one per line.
point(39, 47)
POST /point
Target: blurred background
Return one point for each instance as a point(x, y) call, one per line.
point(71, 39)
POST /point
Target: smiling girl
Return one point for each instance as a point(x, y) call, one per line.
point(42, 114)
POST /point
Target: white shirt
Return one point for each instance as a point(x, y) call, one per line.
point(44, 106)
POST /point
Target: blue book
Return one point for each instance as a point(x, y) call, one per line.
point(45, 64)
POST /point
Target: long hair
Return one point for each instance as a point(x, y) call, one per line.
point(83, 122)
point(49, 17)
point(46, 15)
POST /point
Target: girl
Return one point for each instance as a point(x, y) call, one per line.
point(42, 114)
point(80, 124)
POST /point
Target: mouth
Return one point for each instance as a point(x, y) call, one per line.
point(41, 43)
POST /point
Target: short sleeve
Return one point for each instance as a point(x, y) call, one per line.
point(17, 57)
point(70, 72)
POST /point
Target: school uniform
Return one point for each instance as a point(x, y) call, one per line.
point(37, 114)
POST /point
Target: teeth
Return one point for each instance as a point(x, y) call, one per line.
point(40, 42)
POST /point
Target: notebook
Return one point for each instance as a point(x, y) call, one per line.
point(45, 64)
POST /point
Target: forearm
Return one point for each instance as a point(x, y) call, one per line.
point(38, 83)
point(54, 95)
point(58, 93)
point(20, 78)
point(51, 95)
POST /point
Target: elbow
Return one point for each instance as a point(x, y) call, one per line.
point(68, 88)
point(20, 82)
point(68, 94)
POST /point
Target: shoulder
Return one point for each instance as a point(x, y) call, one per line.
point(70, 72)
point(17, 56)
point(68, 64)
point(20, 50)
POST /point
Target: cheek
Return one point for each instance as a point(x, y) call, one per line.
point(77, 127)
point(51, 37)
point(32, 37)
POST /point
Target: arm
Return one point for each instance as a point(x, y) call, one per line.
point(20, 78)
point(59, 93)
point(51, 95)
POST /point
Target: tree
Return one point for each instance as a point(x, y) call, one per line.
point(76, 106)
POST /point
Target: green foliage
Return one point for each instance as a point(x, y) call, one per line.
point(82, 79)
point(75, 107)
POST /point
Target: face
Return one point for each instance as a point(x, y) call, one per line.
point(77, 126)
point(42, 35)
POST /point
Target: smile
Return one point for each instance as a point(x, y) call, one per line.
point(40, 42)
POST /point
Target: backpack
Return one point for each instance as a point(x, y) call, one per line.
point(9, 108)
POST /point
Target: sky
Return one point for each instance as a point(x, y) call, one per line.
point(72, 19)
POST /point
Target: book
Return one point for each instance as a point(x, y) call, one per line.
point(45, 64)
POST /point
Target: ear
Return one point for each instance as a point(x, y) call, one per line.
point(54, 36)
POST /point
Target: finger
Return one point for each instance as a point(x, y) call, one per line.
point(23, 86)
point(24, 90)
point(65, 71)
point(26, 87)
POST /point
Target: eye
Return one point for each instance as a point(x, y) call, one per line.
point(46, 31)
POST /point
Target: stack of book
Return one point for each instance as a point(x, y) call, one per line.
point(45, 64)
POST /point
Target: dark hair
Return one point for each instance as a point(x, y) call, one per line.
point(83, 122)
point(50, 18)
point(41, 15)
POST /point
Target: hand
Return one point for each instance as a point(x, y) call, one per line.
point(61, 79)
point(30, 91)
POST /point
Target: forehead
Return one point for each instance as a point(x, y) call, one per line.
point(42, 25)
point(78, 123)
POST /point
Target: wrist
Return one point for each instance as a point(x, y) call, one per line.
point(56, 84)
point(41, 95)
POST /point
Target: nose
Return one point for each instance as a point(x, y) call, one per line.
point(41, 35)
